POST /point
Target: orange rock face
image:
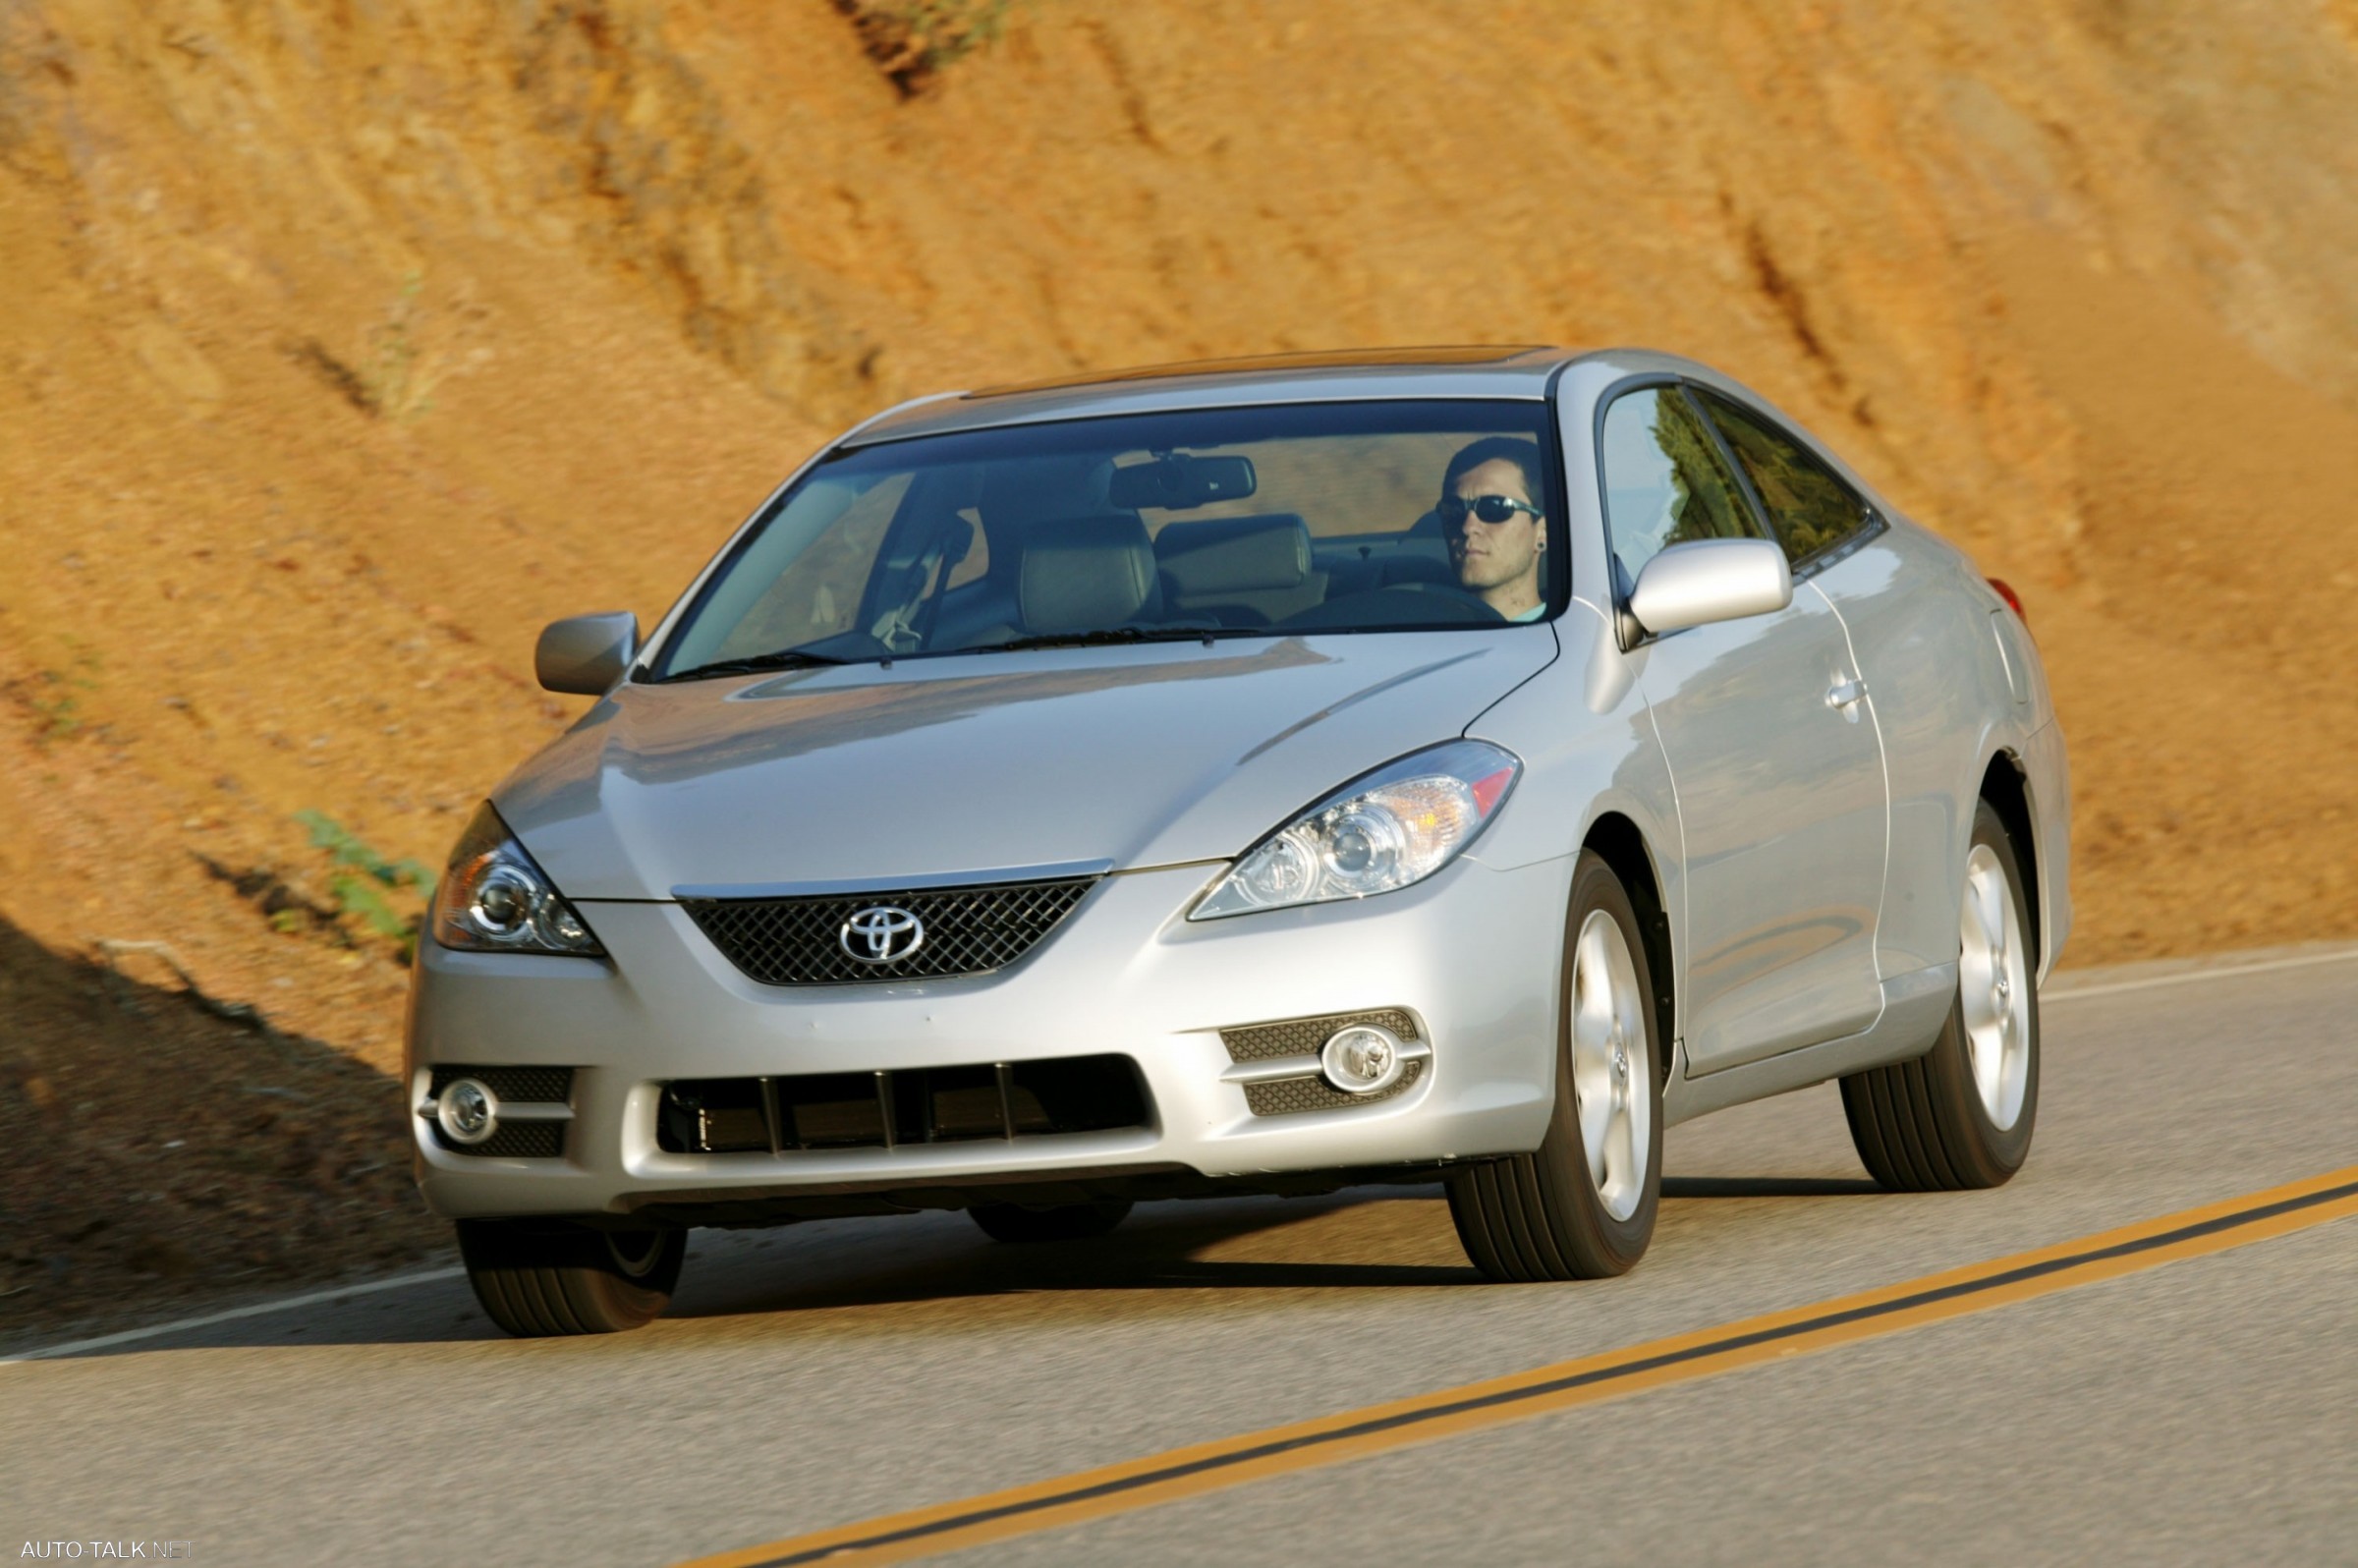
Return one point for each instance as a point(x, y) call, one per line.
point(340, 347)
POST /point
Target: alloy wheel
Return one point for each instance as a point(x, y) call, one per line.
point(1611, 1067)
point(1994, 987)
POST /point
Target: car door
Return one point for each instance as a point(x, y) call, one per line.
point(1773, 762)
point(1933, 669)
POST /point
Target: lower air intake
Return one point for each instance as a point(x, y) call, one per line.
point(1002, 1101)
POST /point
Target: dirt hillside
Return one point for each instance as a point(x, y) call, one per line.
point(341, 346)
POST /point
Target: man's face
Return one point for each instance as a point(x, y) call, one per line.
point(1496, 556)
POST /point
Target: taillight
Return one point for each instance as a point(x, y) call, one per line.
point(2012, 598)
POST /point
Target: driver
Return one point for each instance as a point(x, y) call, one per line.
point(1495, 530)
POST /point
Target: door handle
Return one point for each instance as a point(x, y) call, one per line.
point(1845, 693)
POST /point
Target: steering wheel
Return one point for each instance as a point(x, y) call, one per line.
point(1373, 609)
point(1447, 591)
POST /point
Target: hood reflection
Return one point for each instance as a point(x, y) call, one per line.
point(1140, 757)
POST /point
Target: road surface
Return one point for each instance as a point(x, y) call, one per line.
point(2200, 1408)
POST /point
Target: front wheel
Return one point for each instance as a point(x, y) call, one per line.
point(541, 1279)
point(1582, 1206)
point(1961, 1115)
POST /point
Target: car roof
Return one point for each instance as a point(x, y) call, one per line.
point(1347, 375)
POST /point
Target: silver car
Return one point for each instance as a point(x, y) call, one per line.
point(1438, 767)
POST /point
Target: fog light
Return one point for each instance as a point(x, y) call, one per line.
point(1362, 1059)
point(467, 1111)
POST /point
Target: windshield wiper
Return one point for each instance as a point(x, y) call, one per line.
point(1107, 637)
point(791, 658)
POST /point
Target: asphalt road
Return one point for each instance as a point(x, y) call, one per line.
point(2202, 1411)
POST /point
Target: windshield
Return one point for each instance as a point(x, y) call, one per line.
point(1341, 517)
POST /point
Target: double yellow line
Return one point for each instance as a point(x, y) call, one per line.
point(1564, 1385)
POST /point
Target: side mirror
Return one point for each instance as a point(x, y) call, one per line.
point(1711, 580)
point(585, 655)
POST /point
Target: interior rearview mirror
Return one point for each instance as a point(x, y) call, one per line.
point(585, 655)
point(1711, 580)
point(1176, 482)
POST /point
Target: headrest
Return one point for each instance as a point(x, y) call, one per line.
point(1235, 554)
point(1082, 574)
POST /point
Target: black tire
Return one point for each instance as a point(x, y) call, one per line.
point(1013, 1222)
point(1922, 1126)
point(1540, 1216)
point(537, 1279)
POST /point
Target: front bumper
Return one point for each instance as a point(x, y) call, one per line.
point(1473, 954)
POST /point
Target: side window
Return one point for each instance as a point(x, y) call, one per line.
point(1664, 483)
point(1813, 510)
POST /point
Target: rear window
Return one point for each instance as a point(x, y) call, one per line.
point(1343, 517)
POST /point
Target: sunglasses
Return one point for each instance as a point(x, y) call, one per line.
point(1488, 508)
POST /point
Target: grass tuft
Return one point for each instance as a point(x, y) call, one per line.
point(55, 696)
point(362, 878)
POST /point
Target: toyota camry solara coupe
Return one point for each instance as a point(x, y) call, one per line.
point(1440, 767)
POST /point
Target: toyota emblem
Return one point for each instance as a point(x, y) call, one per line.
point(882, 934)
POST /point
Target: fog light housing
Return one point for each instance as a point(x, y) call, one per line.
point(1362, 1059)
point(467, 1111)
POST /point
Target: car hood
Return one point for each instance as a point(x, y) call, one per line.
point(1158, 755)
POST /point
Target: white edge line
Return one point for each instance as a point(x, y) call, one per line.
point(2188, 976)
point(258, 1309)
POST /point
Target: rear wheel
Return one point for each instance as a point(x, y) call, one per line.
point(1013, 1222)
point(1582, 1206)
point(537, 1279)
point(1961, 1115)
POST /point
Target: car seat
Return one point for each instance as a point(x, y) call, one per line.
point(1239, 571)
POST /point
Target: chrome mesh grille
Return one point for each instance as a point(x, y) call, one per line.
point(533, 1085)
point(1291, 1095)
point(968, 930)
point(1302, 1037)
point(515, 1141)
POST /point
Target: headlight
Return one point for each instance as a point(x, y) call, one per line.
point(495, 899)
point(1393, 827)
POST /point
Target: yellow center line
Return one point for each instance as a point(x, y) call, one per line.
point(1564, 1385)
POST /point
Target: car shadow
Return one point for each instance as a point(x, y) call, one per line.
point(1178, 1255)
point(1238, 1254)
point(1769, 1187)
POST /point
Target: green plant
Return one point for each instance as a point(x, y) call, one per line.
point(60, 709)
point(363, 877)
